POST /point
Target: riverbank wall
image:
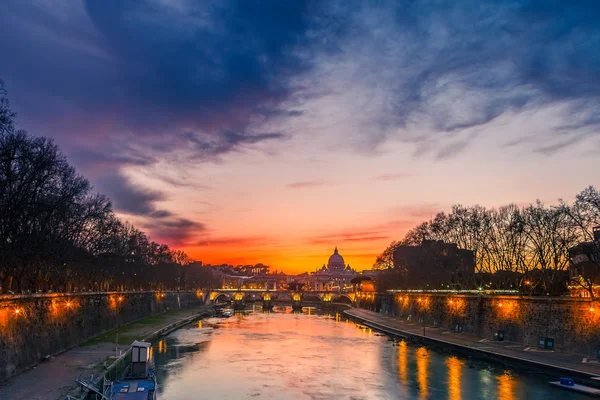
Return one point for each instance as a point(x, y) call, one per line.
point(552, 364)
point(38, 325)
point(572, 324)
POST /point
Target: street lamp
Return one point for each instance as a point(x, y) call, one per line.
point(119, 301)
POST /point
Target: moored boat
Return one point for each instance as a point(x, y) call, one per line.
point(140, 380)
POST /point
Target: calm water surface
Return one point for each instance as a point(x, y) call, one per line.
point(282, 355)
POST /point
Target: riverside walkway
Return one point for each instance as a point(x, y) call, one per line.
point(55, 378)
point(548, 361)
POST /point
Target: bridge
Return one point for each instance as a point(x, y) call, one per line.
point(270, 297)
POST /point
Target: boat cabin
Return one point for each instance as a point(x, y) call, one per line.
point(140, 383)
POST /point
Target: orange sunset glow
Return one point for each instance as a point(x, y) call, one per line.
point(275, 142)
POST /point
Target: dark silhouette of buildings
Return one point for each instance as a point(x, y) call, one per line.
point(585, 266)
point(433, 264)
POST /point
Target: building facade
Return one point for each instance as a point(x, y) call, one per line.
point(584, 269)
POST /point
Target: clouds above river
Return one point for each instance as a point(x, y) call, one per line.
point(149, 97)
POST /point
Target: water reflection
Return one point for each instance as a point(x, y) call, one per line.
point(285, 355)
point(423, 371)
point(454, 371)
point(402, 362)
point(506, 387)
point(162, 346)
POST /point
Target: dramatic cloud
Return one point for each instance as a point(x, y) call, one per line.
point(130, 198)
point(213, 73)
point(175, 231)
point(151, 97)
point(207, 147)
point(439, 74)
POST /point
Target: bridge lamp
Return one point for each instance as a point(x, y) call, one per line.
point(17, 311)
point(499, 304)
point(69, 304)
point(120, 298)
point(591, 309)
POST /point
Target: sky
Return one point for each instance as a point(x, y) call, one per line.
point(273, 131)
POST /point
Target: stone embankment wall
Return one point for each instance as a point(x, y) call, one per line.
point(34, 326)
point(573, 323)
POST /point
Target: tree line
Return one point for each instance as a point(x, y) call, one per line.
point(57, 233)
point(526, 247)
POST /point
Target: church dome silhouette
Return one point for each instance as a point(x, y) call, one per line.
point(336, 262)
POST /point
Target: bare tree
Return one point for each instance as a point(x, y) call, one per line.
point(7, 116)
point(57, 234)
point(386, 259)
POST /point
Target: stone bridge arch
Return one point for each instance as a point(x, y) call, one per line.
point(312, 297)
point(344, 298)
point(283, 296)
point(219, 296)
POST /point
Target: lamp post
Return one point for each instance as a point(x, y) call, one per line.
point(118, 308)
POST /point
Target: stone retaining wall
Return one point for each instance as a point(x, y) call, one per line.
point(34, 326)
point(573, 323)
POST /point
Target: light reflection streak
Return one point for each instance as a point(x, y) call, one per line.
point(402, 362)
point(506, 387)
point(162, 347)
point(422, 371)
point(454, 373)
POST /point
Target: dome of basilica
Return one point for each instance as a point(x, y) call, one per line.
point(336, 262)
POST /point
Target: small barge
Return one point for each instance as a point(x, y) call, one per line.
point(140, 380)
point(138, 383)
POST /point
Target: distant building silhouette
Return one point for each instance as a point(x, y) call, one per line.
point(434, 263)
point(584, 270)
point(334, 276)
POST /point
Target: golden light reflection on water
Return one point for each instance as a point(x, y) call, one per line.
point(285, 355)
point(454, 373)
point(422, 355)
point(162, 346)
point(402, 362)
point(506, 387)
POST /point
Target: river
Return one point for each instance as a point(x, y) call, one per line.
point(285, 355)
